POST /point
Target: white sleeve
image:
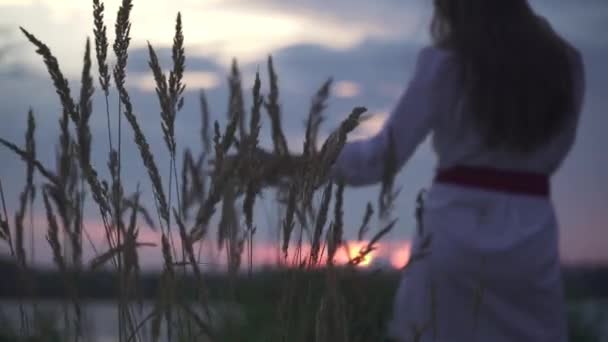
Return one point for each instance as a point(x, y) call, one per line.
point(362, 162)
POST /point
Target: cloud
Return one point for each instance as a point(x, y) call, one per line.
point(194, 79)
point(409, 20)
point(405, 20)
point(216, 29)
point(252, 29)
point(346, 89)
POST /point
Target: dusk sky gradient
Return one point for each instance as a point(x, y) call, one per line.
point(368, 47)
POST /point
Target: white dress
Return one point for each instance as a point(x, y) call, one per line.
point(493, 272)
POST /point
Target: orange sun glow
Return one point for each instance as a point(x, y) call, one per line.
point(354, 249)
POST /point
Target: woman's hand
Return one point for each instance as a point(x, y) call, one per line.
point(269, 167)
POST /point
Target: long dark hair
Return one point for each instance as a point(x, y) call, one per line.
point(517, 70)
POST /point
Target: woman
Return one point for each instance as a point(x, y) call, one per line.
point(501, 94)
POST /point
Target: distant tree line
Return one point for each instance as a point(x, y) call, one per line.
point(580, 282)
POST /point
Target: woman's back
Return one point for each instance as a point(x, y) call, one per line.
point(437, 102)
point(456, 138)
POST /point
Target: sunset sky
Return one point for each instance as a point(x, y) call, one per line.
point(368, 47)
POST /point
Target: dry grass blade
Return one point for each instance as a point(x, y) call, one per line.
point(85, 108)
point(28, 158)
point(61, 199)
point(228, 138)
point(4, 228)
point(205, 213)
point(59, 81)
point(19, 228)
point(420, 211)
point(76, 236)
point(64, 158)
point(102, 259)
point(84, 135)
point(162, 91)
point(121, 42)
point(59, 193)
point(228, 219)
point(130, 254)
point(205, 117)
point(175, 94)
point(30, 148)
point(220, 177)
point(193, 183)
point(198, 178)
point(116, 193)
point(338, 225)
point(329, 153)
point(65, 196)
point(59, 259)
point(176, 88)
point(251, 147)
point(101, 45)
point(256, 116)
point(320, 223)
point(121, 45)
point(99, 194)
point(129, 203)
point(274, 112)
point(288, 223)
point(101, 52)
point(334, 143)
point(383, 232)
point(369, 212)
point(166, 248)
point(229, 230)
point(187, 244)
point(371, 246)
point(387, 194)
point(53, 234)
point(315, 118)
point(249, 202)
point(236, 105)
point(28, 191)
point(5, 231)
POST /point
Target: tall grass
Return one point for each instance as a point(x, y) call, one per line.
point(186, 204)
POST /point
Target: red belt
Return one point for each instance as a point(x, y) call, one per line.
point(525, 183)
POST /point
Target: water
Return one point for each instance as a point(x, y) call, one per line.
point(100, 318)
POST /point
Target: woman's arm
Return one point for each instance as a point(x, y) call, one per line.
point(363, 162)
